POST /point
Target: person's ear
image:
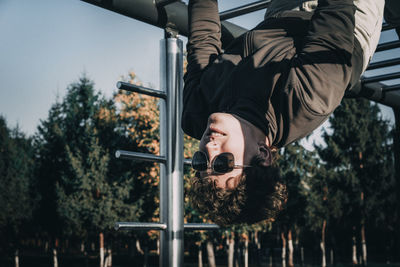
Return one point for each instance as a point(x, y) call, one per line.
point(265, 154)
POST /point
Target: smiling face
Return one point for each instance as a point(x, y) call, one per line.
point(230, 133)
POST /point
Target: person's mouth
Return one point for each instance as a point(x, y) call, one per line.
point(214, 132)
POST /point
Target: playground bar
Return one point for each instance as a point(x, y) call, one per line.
point(141, 90)
point(122, 154)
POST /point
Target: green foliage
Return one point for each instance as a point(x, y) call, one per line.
point(17, 199)
point(84, 189)
point(355, 182)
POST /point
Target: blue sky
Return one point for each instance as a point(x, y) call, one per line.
point(47, 44)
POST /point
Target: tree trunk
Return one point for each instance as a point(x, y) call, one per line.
point(246, 252)
point(55, 260)
point(210, 254)
point(231, 251)
point(283, 249)
point(258, 248)
point(158, 245)
point(108, 258)
point(364, 245)
point(302, 255)
point(354, 250)
point(200, 256)
point(139, 247)
point(101, 239)
point(290, 249)
point(332, 257)
point(323, 244)
point(16, 257)
point(146, 256)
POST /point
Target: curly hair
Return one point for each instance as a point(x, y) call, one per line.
point(259, 196)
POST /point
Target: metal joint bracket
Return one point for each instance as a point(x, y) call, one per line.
point(171, 32)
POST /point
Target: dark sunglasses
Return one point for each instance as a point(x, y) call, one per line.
point(222, 163)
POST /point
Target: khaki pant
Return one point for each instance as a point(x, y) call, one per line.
point(368, 20)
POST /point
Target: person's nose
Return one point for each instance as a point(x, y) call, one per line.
point(213, 148)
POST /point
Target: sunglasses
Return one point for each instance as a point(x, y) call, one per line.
point(222, 163)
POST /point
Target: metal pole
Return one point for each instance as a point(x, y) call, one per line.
point(171, 184)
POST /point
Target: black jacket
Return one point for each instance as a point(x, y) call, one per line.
point(286, 76)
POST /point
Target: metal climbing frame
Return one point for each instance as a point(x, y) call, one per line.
point(172, 16)
point(171, 154)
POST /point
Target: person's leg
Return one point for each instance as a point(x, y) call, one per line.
point(368, 20)
point(278, 6)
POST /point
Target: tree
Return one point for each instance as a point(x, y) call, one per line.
point(358, 153)
point(17, 200)
point(296, 163)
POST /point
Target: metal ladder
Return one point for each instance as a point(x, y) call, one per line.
point(171, 154)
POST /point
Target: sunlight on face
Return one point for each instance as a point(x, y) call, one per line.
point(226, 133)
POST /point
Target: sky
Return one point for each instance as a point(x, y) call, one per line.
point(45, 45)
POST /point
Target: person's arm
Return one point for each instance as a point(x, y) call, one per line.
point(320, 72)
point(204, 45)
point(323, 67)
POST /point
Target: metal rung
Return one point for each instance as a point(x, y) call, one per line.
point(383, 77)
point(386, 27)
point(388, 45)
point(142, 90)
point(200, 226)
point(122, 154)
point(162, 226)
point(187, 162)
point(391, 88)
point(161, 3)
point(245, 9)
point(139, 226)
point(384, 64)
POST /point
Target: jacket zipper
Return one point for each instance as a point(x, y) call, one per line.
point(248, 43)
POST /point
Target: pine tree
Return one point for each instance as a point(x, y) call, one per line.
point(296, 164)
point(358, 158)
point(17, 198)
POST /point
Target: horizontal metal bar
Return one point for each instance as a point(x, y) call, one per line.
point(162, 226)
point(387, 27)
point(173, 15)
point(383, 77)
point(384, 64)
point(245, 9)
point(140, 89)
point(200, 226)
point(388, 45)
point(122, 154)
point(381, 93)
point(391, 88)
point(161, 3)
point(139, 226)
point(187, 162)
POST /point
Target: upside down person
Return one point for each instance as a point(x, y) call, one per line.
point(271, 86)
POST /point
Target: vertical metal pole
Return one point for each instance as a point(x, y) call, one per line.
point(171, 184)
point(396, 149)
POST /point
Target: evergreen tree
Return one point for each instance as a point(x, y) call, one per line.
point(359, 164)
point(49, 166)
point(17, 199)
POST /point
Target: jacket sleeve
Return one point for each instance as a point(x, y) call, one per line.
point(320, 72)
point(204, 45)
